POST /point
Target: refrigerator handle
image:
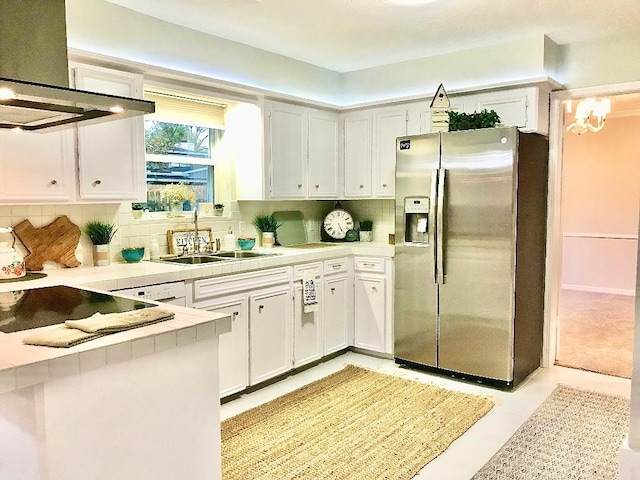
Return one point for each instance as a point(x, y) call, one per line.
point(440, 227)
point(434, 213)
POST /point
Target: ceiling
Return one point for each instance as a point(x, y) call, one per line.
point(348, 35)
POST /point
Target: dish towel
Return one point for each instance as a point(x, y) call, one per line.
point(309, 293)
point(74, 332)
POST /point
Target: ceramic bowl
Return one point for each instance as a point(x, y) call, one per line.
point(132, 254)
point(246, 243)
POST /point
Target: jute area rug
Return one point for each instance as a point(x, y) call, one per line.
point(574, 434)
point(354, 424)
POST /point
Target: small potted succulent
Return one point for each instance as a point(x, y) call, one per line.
point(268, 225)
point(100, 234)
point(218, 209)
point(137, 209)
point(366, 230)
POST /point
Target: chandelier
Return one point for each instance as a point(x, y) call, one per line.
point(590, 115)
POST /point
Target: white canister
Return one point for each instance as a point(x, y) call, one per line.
point(12, 262)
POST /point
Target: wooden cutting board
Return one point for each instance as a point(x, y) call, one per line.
point(55, 242)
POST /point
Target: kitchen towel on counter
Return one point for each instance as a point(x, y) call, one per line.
point(309, 294)
point(59, 337)
point(74, 332)
point(116, 322)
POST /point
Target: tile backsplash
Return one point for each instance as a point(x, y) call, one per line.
point(237, 216)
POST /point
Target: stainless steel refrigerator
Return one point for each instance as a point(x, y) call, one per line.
point(470, 240)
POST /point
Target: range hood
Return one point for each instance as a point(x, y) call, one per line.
point(34, 77)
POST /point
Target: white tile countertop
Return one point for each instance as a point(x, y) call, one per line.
point(25, 365)
point(127, 275)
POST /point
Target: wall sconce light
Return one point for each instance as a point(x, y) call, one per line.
point(590, 115)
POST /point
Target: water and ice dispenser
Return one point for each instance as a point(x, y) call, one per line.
point(416, 220)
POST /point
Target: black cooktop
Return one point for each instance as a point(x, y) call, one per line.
point(39, 307)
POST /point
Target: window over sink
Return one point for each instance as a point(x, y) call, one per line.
point(180, 141)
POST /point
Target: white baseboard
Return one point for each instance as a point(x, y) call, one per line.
point(589, 288)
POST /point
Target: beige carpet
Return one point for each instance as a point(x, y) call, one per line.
point(354, 424)
point(596, 332)
point(573, 435)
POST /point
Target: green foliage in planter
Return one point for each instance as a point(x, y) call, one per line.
point(266, 223)
point(470, 121)
point(366, 225)
point(100, 233)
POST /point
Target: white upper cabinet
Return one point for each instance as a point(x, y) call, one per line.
point(301, 145)
point(111, 155)
point(370, 151)
point(37, 167)
point(526, 108)
point(324, 158)
point(358, 149)
point(390, 123)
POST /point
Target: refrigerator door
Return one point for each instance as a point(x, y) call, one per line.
point(478, 252)
point(416, 291)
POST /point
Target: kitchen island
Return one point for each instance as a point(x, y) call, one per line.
point(134, 405)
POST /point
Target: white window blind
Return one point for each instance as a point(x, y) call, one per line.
point(181, 108)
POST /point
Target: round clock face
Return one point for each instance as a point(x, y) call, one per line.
point(337, 223)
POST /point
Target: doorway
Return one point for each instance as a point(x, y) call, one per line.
point(600, 195)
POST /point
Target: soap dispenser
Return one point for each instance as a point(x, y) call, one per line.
point(230, 241)
point(11, 262)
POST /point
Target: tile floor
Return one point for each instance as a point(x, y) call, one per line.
point(473, 449)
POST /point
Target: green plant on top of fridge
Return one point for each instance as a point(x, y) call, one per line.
point(470, 121)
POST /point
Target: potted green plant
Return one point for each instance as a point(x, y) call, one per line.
point(218, 209)
point(267, 224)
point(366, 230)
point(469, 121)
point(179, 193)
point(100, 234)
point(137, 209)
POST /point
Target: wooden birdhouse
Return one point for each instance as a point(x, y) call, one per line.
point(440, 111)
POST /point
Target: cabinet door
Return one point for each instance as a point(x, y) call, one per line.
point(234, 345)
point(357, 156)
point(111, 155)
point(287, 150)
point(37, 167)
point(269, 333)
point(336, 313)
point(370, 308)
point(307, 340)
point(390, 124)
point(324, 171)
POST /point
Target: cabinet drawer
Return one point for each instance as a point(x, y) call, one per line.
point(298, 270)
point(338, 265)
point(369, 264)
point(213, 287)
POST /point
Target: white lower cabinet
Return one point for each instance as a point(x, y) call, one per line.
point(373, 305)
point(269, 333)
point(307, 327)
point(259, 344)
point(234, 345)
point(337, 305)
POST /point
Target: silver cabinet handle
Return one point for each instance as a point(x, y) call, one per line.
point(336, 267)
point(333, 290)
point(260, 308)
point(369, 265)
point(96, 183)
point(384, 185)
point(299, 185)
point(53, 182)
point(374, 289)
point(361, 186)
point(317, 186)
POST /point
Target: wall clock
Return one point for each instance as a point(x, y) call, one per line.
point(337, 223)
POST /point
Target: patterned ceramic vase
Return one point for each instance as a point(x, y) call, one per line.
point(12, 263)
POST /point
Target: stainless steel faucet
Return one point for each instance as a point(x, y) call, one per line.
point(196, 240)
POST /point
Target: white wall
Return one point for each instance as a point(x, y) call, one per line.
point(601, 195)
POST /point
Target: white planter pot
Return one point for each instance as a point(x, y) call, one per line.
point(366, 236)
point(268, 239)
point(101, 255)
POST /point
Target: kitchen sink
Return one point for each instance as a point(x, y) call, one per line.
point(195, 259)
point(244, 254)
